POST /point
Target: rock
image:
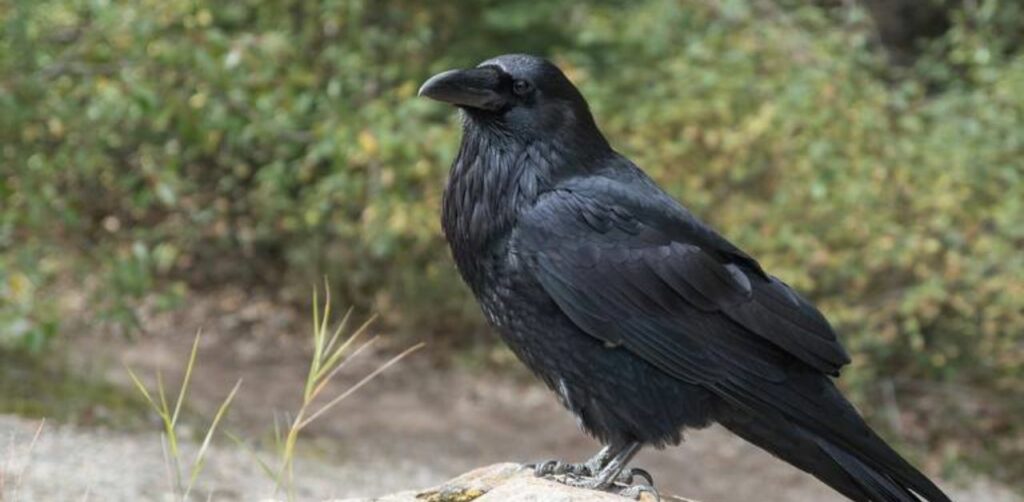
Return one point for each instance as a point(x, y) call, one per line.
point(506, 483)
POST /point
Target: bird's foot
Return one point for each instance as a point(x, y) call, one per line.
point(580, 476)
point(606, 471)
point(554, 468)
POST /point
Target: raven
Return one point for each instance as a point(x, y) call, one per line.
point(641, 318)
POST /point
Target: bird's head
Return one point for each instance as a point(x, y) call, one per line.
point(524, 96)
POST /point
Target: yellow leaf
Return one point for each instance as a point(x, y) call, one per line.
point(56, 127)
point(197, 101)
point(407, 89)
point(204, 17)
point(368, 143)
point(20, 287)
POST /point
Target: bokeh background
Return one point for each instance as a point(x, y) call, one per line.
point(161, 156)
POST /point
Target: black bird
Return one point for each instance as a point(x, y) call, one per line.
point(641, 318)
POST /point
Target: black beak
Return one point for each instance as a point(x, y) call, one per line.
point(475, 88)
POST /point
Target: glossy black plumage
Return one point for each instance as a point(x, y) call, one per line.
point(640, 317)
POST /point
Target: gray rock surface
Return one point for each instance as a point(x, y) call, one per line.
point(505, 483)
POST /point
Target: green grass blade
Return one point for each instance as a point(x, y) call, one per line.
point(325, 321)
point(334, 357)
point(187, 378)
point(166, 411)
point(314, 364)
point(168, 420)
point(338, 331)
point(142, 389)
point(322, 382)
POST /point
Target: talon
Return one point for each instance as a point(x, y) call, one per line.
point(605, 471)
point(549, 468)
point(545, 468)
point(582, 470)
point(561, 468)
point(626, 477)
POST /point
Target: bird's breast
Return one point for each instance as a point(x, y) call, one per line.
point(485, 194)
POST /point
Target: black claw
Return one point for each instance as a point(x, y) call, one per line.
point(545, 468)
point(583, 476)
point(627, 476)
point(557, 468)
point(581, 470)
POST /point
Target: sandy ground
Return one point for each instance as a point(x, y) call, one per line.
point(415, 426)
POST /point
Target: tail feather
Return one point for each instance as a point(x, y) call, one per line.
point(798, 448)
point(882, 476)
point(877, 485)
point(884, 462)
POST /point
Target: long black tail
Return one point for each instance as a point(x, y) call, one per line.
point(840, 449)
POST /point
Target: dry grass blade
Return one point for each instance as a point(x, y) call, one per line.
point(200, 461)
point(364, 381)
point(24, 468)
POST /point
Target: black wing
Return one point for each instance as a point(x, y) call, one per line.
point(630, 266)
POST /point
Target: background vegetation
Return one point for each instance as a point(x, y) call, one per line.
point(151, 147)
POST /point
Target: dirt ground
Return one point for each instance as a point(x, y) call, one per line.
point(414, 426)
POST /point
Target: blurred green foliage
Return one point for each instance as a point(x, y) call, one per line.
point(47, 388)
point(155, 145)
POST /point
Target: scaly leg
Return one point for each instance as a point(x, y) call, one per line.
point(611, 471)
point(605, 471)
point(589, 468)
point(615, 477)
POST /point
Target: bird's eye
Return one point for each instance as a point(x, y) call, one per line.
point(521, 87)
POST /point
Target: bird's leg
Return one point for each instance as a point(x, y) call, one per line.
point(598, 461)
point(588, 469)
point(614, 476)
point(604, 471)
point(609, 474)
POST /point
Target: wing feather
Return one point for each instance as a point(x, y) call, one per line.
point(657, 284)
